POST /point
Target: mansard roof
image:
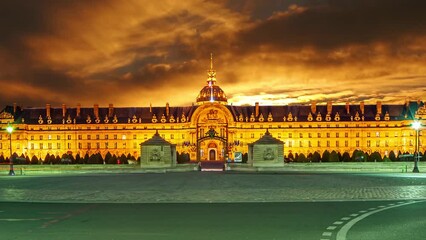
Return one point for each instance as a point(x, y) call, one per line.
point(299, 113)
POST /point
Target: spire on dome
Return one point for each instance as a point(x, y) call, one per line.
point(211, 73)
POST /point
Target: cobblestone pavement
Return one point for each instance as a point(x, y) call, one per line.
point(212, 187)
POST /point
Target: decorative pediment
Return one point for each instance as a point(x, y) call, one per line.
point(421, 112)
point(6, 115)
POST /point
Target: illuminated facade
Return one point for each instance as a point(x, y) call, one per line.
point(211, 129)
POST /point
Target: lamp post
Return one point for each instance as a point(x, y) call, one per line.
point(9, 129)
point(416, 125)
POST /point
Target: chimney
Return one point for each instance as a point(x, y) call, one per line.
point(78, 109)
point(48, 110)
point(314, 107)
point(379, 107)
point(256, 109)
point(347, 108)
point(96, 110)
point(361, 107)
point(64, 110)
point(110, 110)
point(329, 107)
point(14, 108)
point(150, 107)
point(167, 109)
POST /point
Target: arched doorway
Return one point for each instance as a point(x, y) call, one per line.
point(212, 150)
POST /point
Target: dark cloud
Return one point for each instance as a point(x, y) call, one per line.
point(336, 24)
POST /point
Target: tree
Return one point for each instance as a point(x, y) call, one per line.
point(86, 158)
point(301, 158)
point(316, 157)
point(290, 157)
point(334, 157)
point(325, 156)
point(392, 156)
point(2, 159)
point(423, 157)
point(346, 157)
point(359, 156)
point(375, 157)
point(108, 157)
point(34, 160)
point(309, 157)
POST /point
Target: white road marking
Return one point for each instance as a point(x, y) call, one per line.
point(354, 215)
point(341, 234)
point(371, 209)
point(331, 227)
point(19, 219)
point(338, 223)
point(345, 218)
point(327, 234)
point(381, 206)
point(362, 211)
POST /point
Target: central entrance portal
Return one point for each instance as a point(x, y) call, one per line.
point(212, 155)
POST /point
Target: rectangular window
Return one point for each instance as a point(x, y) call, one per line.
point(80, 145)
point(386, 143)
point(378, 143)
point(337, 135)
point(58, 137)
point(346, 143)
point(252, 135)
point(290, 143)
point(98, 145)
point(319, 144)
point(134, 137)
point(309, 135)
point(241, 135)
point(135, 145)
point(79, 137)
point(106, 137)
point(309, 144)
point(69, 137)
point(386, 134)
point(69, 145)
point(337, 143)
point(41, 145)
point(319, 135)
point(89, 137)
point(32, 137)
point(346, 134)
point(41, 137)
point(1, 146)
point(97, 137)
point(368, 143)
point(172, 136)
point(115, 136)
point(89, 145)
point(290, 135)
point(377, 134)
point(32, 146)
point(328, 134)
point(106, 145)
point(300, 135)
point(368, 134)
point(300, 143)
point(49, 145)
point(328, 143)
point(279, 135)
point(357, 134)
point(49, 137)
point(115, 145)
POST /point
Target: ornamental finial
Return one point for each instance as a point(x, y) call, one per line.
point(211, 61)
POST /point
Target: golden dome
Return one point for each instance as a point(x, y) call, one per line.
point(211, 92)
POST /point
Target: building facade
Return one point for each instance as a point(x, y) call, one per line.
point(211, 129)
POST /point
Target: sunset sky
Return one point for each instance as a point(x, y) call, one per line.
point(137, 52)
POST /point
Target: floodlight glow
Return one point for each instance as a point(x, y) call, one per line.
point(9, 129)
point(416, 125)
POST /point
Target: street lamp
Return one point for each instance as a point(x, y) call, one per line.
point(9, 129)
point(416, 125)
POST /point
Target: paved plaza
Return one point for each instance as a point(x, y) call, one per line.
point(214, 187)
